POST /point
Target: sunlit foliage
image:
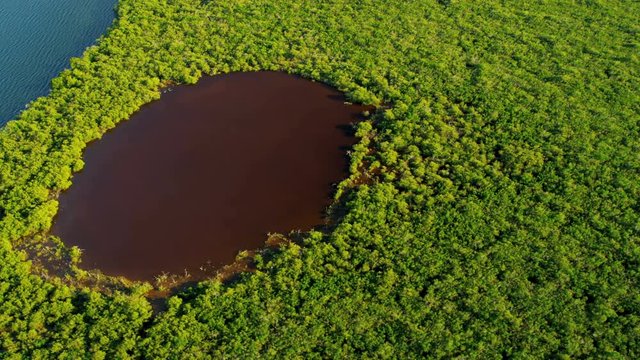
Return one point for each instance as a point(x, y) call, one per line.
point(502, 220)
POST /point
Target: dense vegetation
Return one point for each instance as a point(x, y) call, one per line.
point(501, 217)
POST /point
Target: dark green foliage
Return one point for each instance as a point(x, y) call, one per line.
point(503, 220)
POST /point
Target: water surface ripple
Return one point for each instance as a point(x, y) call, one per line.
point(37, 39)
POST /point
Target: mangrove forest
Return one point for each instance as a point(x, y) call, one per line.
point(396, 179)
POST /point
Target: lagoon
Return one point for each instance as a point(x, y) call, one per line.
point(207, 171)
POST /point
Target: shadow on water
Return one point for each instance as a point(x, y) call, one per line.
point(337, 97)
point(208, 171)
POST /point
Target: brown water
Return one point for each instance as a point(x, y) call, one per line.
point(207, 171)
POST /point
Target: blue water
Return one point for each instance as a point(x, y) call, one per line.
point(37, 39)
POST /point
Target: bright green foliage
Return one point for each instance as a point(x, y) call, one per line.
point(503, 221)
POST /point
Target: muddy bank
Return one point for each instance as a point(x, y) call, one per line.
point(207, 171)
